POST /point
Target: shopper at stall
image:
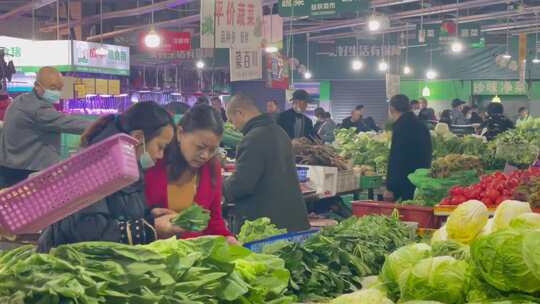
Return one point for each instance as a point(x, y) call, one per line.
point(446, 117)
point(272, 109)
point(355, 120)
point(457, 112)
point(30, 139)
point(426, 114)
point(496, 122)
point(190, 172)
point(265, 183)
point(122, 217)
point(471, 116)
point(318, 116)
point(415, 107)
point(523, 116)
point(327, 130)
point(216, 104)
point(410, 149)
point(295, 123)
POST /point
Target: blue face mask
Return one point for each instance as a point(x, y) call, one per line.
point(51, 96)
point(146, 160)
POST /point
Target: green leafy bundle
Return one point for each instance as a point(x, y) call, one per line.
point(370, 149)
point(199, 271)
point(258, 229)
point(194, 218)
point(334, 261)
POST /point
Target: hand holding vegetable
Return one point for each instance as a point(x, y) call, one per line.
point(164, 228)
point(193, 218)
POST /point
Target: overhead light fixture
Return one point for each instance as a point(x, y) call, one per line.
point(536, 60)
point(374, 23)
point(507, 56)
point(307, 75)
point(383, 66)
point(496, 99)
point(152, 39)
point(357, 64)
point(271, 49)
point(407, 70)
point(457, 46)
point(426, 92)
point(431, 74)
point(200, 64)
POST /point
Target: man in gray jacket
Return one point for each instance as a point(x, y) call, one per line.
point(265, 183)
point(30, 139)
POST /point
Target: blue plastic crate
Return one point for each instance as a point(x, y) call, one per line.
point(302, 174)
point(294, 237)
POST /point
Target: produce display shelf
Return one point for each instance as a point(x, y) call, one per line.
point(447, 210)
point(424, 216)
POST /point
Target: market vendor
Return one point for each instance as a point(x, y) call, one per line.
point(410, 150)
point(265, 183)
point(190, 172)
point(31, 136)
point(122, 217)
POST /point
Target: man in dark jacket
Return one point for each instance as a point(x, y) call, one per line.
point(293, 121)
point(356, 121)
point(411, 149)
point(265, 183)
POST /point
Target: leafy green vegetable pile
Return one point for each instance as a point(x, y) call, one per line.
point(194, 218)
point(334, 261)
point(370, 149)
point(203, 270)
point(258, 229)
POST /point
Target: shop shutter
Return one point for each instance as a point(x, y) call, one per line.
point(345, 95)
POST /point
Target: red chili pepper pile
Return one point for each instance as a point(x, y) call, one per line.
point(492, 189)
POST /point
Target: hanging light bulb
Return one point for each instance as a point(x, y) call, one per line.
point(271, 49)
point(152, 39)
point(307, 75)
point(357, 64)
point(507, 56)
point(431, 74)
point(374, 23)
point(407, 70)
point(496, 99)
point(200, 64)
point(383, 66)
point(426, 92)
point(536, 60)
point(457, 47)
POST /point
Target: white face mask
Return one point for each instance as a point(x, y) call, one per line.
point(416, 112)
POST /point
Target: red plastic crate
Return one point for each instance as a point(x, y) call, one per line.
point(422, 215)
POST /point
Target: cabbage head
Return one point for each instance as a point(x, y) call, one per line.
point(528, 220)
point(364, 296)
point(507, 211)
point(401, 260)
point(466, 222)
point(451, 248)
point(436, 279)
point(509, 260)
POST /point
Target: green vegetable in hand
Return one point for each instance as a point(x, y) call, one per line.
point(258, 229)
point(194, 218)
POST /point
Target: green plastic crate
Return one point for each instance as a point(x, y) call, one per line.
point(371, 182)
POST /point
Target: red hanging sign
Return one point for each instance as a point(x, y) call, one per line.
point(171, 42)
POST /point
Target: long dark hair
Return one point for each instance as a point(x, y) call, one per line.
point(147, 116)
point(200, 117)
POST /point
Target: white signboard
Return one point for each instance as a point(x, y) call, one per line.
point(246, 64)
point(87, 58)
point(29, 55)
point(228, 23)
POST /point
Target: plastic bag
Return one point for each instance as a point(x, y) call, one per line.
point(433, 190)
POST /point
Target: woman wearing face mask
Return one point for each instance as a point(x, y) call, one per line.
point(190, 173)
point(122, 217)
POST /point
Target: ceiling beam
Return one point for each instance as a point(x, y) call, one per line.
point(25, 8)
point(119, 14)
point(172, 22)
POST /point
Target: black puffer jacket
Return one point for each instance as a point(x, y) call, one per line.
point(122, 217)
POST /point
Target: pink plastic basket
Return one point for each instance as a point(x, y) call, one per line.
point(69, 186)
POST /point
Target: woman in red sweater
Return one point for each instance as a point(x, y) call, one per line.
point(190, 172)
